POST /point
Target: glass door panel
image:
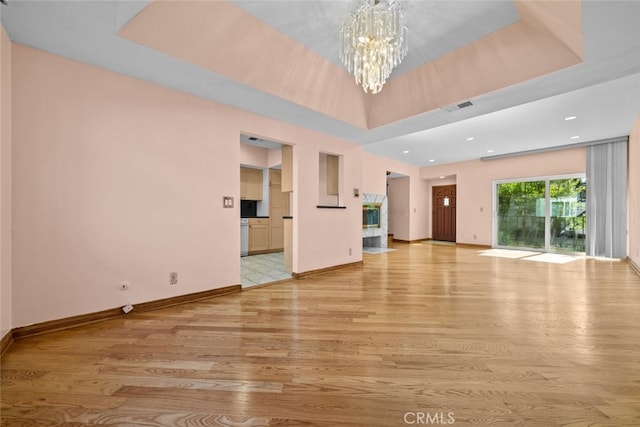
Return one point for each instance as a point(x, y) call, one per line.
point(521, 214)
point(568, 214)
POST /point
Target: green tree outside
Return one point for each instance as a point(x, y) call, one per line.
point(521, 214)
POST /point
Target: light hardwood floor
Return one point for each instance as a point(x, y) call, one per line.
point(426, 333)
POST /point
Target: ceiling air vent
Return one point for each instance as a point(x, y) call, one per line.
point(460, 106)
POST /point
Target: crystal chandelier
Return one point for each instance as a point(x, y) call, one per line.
point(373, 42)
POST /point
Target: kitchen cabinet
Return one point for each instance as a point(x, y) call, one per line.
point(250, 184)
point(258, 235)
point(278, 207)
point(287, 169)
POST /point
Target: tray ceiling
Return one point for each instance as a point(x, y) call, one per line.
point(596, 78)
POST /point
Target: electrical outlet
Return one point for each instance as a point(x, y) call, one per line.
point(173, 278)
point(475, 237)
point(349, 251)
point(124, 286)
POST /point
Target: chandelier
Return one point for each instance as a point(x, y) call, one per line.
point(373, 42)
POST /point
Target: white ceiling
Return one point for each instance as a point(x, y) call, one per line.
point(603, 92)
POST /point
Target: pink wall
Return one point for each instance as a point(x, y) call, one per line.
point(254, 156)
point(374, 173)
point(475, 185)
point(274, 157)
point(5, 184)
point(634, 194)
point(315, 229)
point(400, 208)
point(117, 179)
point(419, 212)
point(408, 208)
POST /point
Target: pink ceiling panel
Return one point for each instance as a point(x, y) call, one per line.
point(220, 37)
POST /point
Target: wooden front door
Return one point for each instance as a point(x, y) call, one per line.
point(444, 213)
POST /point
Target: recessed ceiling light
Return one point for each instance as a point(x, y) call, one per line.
point(575, 137)
point(489, 151)
point(471, 138)
point(405, 152)
point(442, 177)
point(570, 118)
point(431, 160)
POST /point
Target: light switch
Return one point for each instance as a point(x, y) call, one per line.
point(227, 202)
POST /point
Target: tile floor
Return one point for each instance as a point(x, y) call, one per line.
point(261, 269)
point(268, 268)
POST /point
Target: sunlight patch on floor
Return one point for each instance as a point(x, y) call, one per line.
point(531, 256)
point(554, 258)
point(507, 253)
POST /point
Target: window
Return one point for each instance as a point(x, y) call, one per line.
point(543, 213)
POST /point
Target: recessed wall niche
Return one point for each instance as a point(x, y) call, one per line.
point(329, 179)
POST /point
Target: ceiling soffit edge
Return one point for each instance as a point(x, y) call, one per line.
point(245, 49)
point(538, 44)
point(514, 54)
point(563, 19)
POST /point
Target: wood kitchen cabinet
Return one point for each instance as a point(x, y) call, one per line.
point(278, 207)
point(250, 184)
point(287, 169)
point(258, 235)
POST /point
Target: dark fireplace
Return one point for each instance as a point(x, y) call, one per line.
point(371, 215)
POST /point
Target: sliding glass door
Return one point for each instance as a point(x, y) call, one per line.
point(568, 216)
point(543, 214)
point(520, 217)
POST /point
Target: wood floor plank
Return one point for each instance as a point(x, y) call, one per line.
point(425, 331)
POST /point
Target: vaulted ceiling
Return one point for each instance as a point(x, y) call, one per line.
point(523, 65)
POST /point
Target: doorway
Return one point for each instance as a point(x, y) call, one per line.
point(398, 206)
point(444, 213)
point(263, 207)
